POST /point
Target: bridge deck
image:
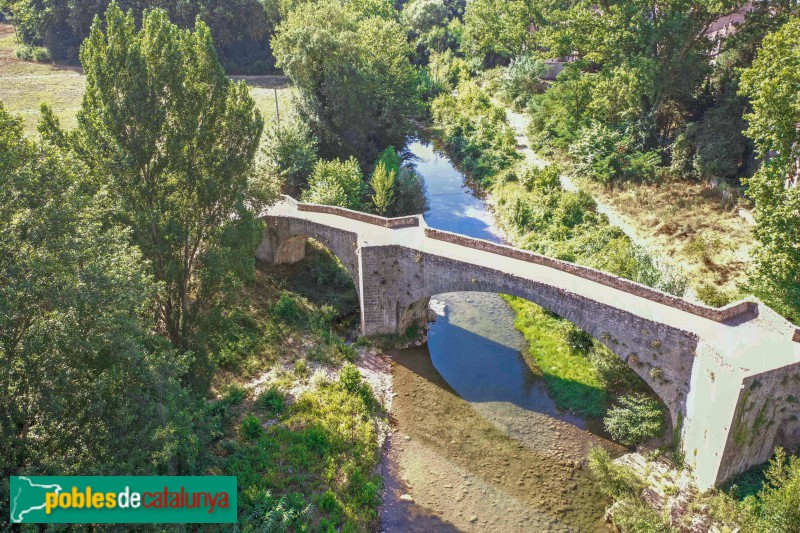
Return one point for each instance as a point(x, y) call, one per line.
point(761, 343)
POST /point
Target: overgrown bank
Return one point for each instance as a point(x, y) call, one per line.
point(537, 214)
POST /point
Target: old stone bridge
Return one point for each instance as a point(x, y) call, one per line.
point(730, 377)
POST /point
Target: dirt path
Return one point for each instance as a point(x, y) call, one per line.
point(519, 122)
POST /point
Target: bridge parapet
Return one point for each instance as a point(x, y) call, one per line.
point(391, 223)
point(723, 314)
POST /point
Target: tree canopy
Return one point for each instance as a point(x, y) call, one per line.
point(358, 89)
point(173, 140)
point(773, 85)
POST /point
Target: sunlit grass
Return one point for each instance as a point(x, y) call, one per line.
point(26, 85)
point(689, 223)
point(572, 378)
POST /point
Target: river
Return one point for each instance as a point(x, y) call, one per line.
point(479, 443)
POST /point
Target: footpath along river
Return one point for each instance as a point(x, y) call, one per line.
point(480, 445)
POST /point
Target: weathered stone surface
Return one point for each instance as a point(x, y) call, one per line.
point(730, 377)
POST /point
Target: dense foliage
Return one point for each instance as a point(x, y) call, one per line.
point(172, 140)
point(241, 28)
point(475, 131)
point(88, 388)
point(773, 84)
point(358, 88)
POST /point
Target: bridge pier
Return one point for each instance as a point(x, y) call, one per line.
point(729, 377)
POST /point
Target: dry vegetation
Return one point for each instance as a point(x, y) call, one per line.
point(25, 85)
point(691, 223)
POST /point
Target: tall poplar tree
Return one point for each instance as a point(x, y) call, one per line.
point(173, 140)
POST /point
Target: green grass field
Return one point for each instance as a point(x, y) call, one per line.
point(25, 85)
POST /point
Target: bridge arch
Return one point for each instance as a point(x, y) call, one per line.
point(285, 240)
point(596, 325)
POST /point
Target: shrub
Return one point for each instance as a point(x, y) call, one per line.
point(541, 178)
point(338, 183)
point(522, 79)
point(447, 70)
point(286, 309)
point(301, 368)
point(607, 155)
point(615, 481)
point(235, 395)
point(279, 515)
point(634, 419)
point(475, 131)
point(712, 296)
point(251, 427)
point(290, 152)
point(32, 53)
point(271, 400)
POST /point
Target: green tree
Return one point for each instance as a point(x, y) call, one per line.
point(635, 419)
point(650, 59)
point(358, 89)
point(87, 388)
point(173, 140)
point(497, 30)
point(773, 83)
point(291, 152)
point(336, 182)
point(382, 184)
point(241, 28)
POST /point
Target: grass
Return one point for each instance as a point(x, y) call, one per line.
point(305, 450)
point(691, 224)
point(573, 379)
point(25, 85)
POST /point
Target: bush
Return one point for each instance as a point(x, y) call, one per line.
point(272, 401)
point(447, 70)
point(286, 309)
point(615, 481)
point(541, 178)
point(634, 419)
point(522, 79)
point(338, 183)
point(290, 152)
point(235, 395)
point(475, 131)
point(251, 427)
point(32, 53)
point(607, 155)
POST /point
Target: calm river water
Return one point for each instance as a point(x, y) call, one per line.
point(481, 445)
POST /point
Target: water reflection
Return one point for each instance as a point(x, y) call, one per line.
point(481, 445)
point(474, 344)
point(454, 206)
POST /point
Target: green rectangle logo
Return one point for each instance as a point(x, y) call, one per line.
point(123, 499)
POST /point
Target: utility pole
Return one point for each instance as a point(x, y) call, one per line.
point(277, 109)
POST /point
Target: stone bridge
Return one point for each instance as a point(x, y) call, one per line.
point(730, 377)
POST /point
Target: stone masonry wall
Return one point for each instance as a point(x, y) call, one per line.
point(402, 222)
point(719, 315)
point(281, 232)
point(397, 277)
point(766, 416)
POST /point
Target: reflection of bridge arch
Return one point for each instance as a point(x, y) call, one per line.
point(727, 375)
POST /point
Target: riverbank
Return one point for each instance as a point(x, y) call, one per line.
point(704, 231)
